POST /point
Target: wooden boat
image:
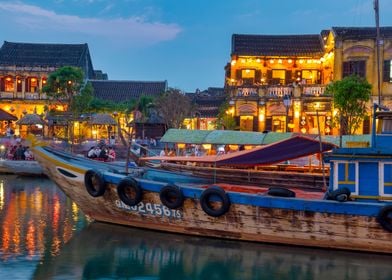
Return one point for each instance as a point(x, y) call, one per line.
point(21, 167)
point(355, 213)
point(262, 166)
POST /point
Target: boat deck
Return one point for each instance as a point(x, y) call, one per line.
point(300, 193)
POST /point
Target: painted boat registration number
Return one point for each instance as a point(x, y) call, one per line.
point(152, 209)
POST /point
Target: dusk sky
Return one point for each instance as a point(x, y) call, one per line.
point(184, 42)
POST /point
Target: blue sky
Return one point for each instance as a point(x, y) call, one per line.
point(184, 42)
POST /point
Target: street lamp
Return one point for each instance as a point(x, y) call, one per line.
point(287, 101)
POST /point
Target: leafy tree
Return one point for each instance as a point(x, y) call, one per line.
point(225, 119)
point(63, 84)
point(82, 102)
point(173, 106)
point(143, 104)
point(350, 96)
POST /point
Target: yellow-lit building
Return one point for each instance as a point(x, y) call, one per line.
point(277, 82)
point(24, 70)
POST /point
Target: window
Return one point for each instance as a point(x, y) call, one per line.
point(387, 73)
point(311, 76)
point(248, 76)
point(32, 85)
point(278, 77)
point(9, 84)
point(357, 67)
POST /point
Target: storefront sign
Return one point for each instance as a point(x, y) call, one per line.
point(316, 106)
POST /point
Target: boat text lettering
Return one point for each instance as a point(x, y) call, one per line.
point(152, 209)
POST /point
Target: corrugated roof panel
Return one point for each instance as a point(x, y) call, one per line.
point(235, 137)
point(185, 136)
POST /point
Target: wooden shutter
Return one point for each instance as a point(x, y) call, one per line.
point(258, 76)
point(255, 124)
point(366, 126)
point(268, 124)
point(237, 122)
point(269, 76)
point(346, 69)
point(319, 77)
point(238, 74)
point(288, 77)
point(361, 68)
point(387, 71)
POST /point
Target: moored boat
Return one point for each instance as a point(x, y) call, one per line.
point(355, 213)
point(20, 167)
point(267, 165)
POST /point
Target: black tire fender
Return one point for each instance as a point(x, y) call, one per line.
point(95, 183)
point(208, 195)
point(171, 196)
point(282, 192)
point(340, 195)
point(129, 191)
point(384, 217)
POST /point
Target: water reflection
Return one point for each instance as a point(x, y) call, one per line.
point(103, 251)
point(43, 235)
point(35, 220)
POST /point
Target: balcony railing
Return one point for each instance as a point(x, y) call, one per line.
point(313, 90)
point(277, 91)
point(21, 95)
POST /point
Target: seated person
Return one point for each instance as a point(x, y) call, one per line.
point(103, 154)
point(28, 154)
point(111, 154)
point(91, 152)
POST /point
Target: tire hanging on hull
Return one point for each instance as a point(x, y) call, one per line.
point(384, 217)
point(171, 196)
point(95, 183)
point(129, 191)
point(210, 197)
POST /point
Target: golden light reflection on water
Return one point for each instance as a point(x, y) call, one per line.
point(1, 195)
point(75, 212)
point(35, 217)
point(30, 239)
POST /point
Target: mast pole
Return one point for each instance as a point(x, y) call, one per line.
point(376, 9)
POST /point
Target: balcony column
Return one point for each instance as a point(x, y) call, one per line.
point(14, 94)
point(23, 81)
point(287, 101)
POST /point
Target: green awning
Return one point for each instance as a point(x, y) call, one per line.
point(185, 136)
point(222, 137)
point(272, 137)
point(225, 137)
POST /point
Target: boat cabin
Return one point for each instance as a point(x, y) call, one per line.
point(367, 171)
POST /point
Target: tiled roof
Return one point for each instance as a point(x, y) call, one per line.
point(355, 33)
point(208, 101)
point(46, 55)
point(119, 91)
point(277, 45)
point(324, 34)
point(99, 75)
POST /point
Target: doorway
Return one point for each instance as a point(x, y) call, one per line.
point(246, 123)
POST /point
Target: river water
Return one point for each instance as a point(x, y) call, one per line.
point(44, 235)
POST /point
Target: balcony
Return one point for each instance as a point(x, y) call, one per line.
point(21, 95)
point(276, 91)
